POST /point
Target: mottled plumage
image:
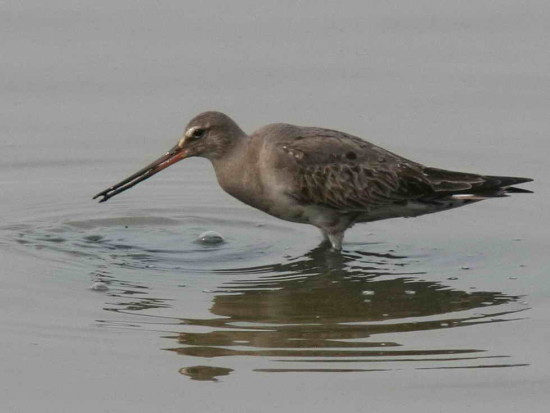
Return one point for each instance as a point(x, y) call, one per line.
point(319, 176)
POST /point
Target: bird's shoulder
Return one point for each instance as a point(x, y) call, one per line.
point(339, 170)
point(312, 146)
point(332, 168)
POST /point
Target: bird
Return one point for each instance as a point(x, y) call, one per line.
point(322, 177)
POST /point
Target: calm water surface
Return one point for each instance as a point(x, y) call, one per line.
point(117, 307)
point(270, 293)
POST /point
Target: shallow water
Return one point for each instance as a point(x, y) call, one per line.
point(117, 306)
point(297, 311)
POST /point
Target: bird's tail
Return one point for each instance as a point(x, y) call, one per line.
point(493, 187)
point(466, 186)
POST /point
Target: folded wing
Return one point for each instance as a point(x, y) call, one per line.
point(344, 172)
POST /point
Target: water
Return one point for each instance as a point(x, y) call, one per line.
point(116, 306)
point(301, 310)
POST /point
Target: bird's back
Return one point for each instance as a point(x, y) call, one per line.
point(346, 173)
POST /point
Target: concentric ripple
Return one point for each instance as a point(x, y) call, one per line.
point(250, 297)
point(161, 242)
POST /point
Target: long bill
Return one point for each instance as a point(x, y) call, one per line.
point(171, 157)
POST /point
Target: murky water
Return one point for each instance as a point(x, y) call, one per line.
point(120, 306)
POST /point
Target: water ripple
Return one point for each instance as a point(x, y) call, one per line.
point(253, 298)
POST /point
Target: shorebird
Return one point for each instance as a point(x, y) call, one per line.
point(318, 176)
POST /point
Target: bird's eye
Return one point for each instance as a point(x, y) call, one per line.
point(197, 133)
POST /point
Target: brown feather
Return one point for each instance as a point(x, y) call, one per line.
point(347, 173)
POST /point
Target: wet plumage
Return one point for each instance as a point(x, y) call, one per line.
point(321, 177)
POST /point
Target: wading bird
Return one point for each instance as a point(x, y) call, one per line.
point(321, 177)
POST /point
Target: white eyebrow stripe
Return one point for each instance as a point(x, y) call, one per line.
point(189, 132)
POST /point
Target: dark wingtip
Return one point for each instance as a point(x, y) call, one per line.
point(505, 183)
point(525, 180)
point(514, 190)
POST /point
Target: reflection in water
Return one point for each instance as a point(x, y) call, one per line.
point(327, 307)
point(317, 312)
point(205, 373)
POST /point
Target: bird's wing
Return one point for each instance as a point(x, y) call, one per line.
point(341, 171)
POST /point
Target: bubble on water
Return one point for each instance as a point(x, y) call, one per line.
point(513, 278)
point(410, 292)
point(444, 324)
point(99, 286)
point(368, 292)
point(210, 238)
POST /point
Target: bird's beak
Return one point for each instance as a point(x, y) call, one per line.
point(177, 153)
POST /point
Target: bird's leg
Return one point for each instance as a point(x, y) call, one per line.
point(326, 241)
point(333, 228)
point(336, 240)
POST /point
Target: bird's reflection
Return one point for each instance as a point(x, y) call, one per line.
point(319, 311)
point(328, 307)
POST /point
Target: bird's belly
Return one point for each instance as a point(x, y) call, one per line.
point(277, 204)
point(289, 210)
point(272, 198)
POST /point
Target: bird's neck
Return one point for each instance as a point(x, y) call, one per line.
point(237, 171)
point(229, 153)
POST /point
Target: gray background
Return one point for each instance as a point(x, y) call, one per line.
point(91, 91)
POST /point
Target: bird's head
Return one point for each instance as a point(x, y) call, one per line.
point(209, 135)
